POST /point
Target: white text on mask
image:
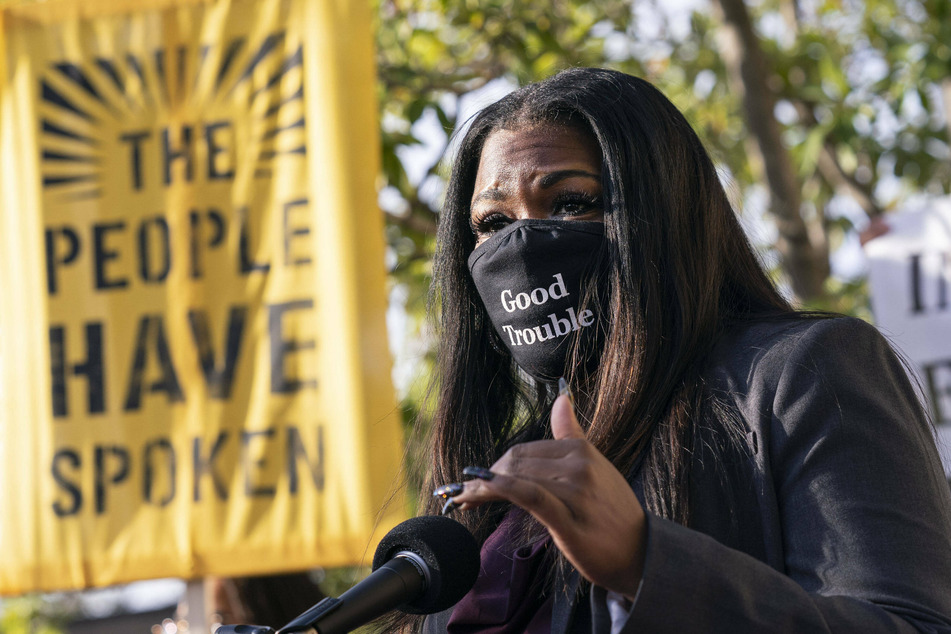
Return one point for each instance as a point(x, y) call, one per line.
point(538, 296)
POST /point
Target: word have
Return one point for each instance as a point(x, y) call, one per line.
point(151, 348)
point(559, 327)
point(152, 473)
point(117, 253)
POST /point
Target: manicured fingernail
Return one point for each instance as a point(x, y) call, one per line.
point(564, 390)
point(448, 490)
point(449, 507)
point(478, 472)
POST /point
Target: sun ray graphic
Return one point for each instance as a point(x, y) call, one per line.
point(79, 99)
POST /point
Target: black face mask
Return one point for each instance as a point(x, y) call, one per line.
point(532, 277)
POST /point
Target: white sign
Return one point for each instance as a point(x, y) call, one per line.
point(910, 280)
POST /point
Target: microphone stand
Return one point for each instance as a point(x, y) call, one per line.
point(429, 563)
point(376, 595)
point(302, 624)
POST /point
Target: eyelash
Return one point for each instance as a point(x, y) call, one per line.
point(587, 202)
point(488, 223)
point(494, 221)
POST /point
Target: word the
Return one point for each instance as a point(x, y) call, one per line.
point(218, 138)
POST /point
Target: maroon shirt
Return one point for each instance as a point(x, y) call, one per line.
point(507, 596)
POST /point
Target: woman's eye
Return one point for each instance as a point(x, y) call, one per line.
point(489, 223)
point(576, 204)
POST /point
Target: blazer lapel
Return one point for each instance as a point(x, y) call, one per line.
point(563, 608)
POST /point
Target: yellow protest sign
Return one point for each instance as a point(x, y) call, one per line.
point(194, 375)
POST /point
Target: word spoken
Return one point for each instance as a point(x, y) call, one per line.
point(93, 478)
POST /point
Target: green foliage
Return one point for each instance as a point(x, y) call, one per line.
point(858, 86)
point(858, 83)
point(33, 614)
point(430, 53)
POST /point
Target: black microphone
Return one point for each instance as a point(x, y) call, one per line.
point(424, 565)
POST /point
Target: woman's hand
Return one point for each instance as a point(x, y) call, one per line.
point(588, 507)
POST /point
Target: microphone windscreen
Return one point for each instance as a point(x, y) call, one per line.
point(447, 547)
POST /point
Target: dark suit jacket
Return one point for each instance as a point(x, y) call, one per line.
point(826, 510)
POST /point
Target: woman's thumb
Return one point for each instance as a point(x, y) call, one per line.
point(564, 423)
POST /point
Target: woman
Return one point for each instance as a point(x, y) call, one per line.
point(725, 463)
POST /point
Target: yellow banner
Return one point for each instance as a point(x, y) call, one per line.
point(195, 375)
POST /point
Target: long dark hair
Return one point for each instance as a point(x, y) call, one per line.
point(679, 271)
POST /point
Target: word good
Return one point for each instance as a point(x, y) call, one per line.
point(538, 296)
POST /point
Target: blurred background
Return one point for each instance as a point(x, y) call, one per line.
point(824, 116)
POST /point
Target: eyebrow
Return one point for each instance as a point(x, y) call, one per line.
point(555, 177)
point(546, 181)
point(489, 194)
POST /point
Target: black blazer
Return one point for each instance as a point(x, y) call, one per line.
point(825, 511)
